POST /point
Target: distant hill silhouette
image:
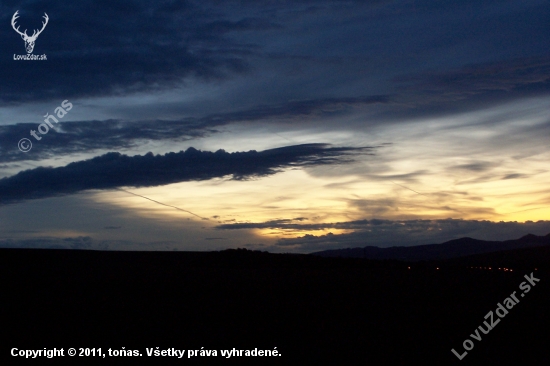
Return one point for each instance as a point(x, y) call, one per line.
point(520, 259)
point(336, 311)
point(450, 249)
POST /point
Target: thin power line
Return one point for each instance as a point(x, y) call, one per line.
point(289, 140)
point(402, 186)
point(160, 203)
point(529, 209)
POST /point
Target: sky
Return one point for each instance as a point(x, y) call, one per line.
point(281, 126)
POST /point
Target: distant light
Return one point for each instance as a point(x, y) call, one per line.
point(437, 268)
point(409, 267)
point(489, 267)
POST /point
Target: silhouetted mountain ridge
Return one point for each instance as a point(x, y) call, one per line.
point(451, 249)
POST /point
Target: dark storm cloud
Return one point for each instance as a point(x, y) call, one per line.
point(472, 86)
point(111, 47)
point(416, 50)
point(477, 166)
point(515, 176)
point(86, 243)
point(81, 242)
point(404, 226)
point(291, 224)
point(119, 47)
point(115, 170)
point(86, 136)
point(300, 108)
point(517, 74)
point(386, 233)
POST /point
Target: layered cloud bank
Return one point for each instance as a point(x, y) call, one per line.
point(388, 233)
point(114, 170)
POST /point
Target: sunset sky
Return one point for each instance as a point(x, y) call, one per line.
point(358, 123)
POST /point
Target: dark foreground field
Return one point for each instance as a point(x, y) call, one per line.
point(342, 311)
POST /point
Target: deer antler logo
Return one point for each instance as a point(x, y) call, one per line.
point(29, 41)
